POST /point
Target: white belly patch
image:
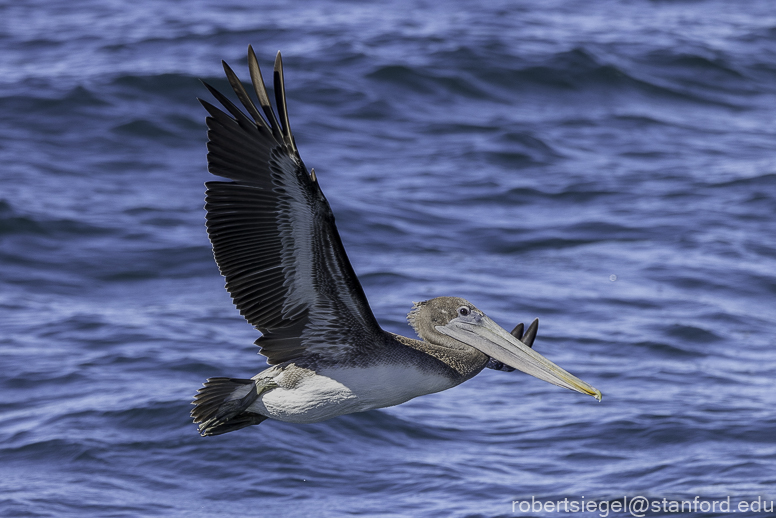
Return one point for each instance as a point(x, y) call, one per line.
point(332, 392)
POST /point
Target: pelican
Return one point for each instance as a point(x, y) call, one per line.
point(275, 242)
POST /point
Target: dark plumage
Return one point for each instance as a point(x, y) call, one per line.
point(276, 243)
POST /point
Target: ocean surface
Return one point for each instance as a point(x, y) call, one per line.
point(608, 167)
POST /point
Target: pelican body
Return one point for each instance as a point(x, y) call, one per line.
point(275, 241)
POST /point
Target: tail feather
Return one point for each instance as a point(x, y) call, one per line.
point(219, 406)
point(235, 423)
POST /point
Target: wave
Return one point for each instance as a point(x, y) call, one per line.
point(680, 77)
point(14, 223)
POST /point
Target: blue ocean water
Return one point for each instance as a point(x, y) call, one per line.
point(608, 167)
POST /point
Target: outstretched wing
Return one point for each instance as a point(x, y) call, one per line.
point(273, 232)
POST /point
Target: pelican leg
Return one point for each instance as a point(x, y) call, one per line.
point(234, 407)
point(231, 413)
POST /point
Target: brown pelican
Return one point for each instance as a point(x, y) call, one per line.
point(276, 243)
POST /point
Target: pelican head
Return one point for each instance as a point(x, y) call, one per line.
point(444, 318)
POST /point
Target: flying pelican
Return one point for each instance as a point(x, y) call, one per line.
point(275, 242)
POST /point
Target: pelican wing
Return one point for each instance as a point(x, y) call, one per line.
point(273, 232)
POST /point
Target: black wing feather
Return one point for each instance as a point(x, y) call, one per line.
point(273, 232)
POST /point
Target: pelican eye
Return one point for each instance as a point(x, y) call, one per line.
point(464, 311)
